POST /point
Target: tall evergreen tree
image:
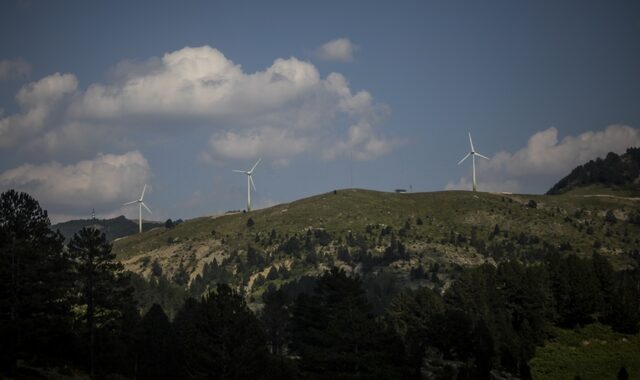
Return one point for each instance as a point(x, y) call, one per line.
point(412, 314)
point(156, 346)
point(276, 317)
point(103, 290)
point(220, 338)
point(337, 336)
point(575, 288)
point(34, 312)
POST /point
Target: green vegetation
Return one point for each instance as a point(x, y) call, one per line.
point(369, 284)
point(614, 172)
point(593, 352)
point(405, 235)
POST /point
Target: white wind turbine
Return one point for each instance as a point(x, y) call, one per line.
point(140, 205)
point(249, 182)
point(473, 155)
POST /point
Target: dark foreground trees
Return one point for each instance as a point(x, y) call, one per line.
point(337, 336)
point(101, 289)
point(34, 314)
point(73, 307)
point(220, 338)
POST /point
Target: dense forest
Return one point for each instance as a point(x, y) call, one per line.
point(72, 310)
point(614, 171)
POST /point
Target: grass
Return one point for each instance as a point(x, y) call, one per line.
point(593, 352)
point(554, 220)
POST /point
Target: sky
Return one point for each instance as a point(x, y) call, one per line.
point(98, 99)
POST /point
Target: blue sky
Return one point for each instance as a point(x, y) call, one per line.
point(98, 98)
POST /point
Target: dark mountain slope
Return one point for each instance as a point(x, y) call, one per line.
point(613, 172)
point(114, 228)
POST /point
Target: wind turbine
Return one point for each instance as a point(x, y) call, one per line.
point(250, 183)
point(473, 155)
point(140, 205)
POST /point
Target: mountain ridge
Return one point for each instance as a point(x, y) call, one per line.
point(412, 238)
point(113, 228)
point(619, 173)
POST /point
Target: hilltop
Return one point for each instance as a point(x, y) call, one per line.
point(393, 239)
point(113, 228)
point(617, 173)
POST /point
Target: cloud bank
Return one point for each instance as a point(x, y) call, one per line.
point(546, 159)
point(285, 110)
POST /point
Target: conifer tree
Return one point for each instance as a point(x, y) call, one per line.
point(220, 337)
point(337, 336)
point(155, 346)
point(34, 312)
point(103, 291)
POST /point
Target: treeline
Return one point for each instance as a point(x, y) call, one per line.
point(613, 171)
point(74, 309)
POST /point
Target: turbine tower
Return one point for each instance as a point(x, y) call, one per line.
point(473, 155)
point(140, 205)
point(250, 183)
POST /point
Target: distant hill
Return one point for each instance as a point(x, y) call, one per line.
point(613, 172)
point(113, 228)
point(390, 240)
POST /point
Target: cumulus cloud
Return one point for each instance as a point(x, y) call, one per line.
point(14, 69)
point(341, 49)
point(40, 103)
point(547, 155)
point(281, 111)
point(104, 182)
point(546, 158)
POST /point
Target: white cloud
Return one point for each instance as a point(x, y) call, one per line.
point(546, 159)
point(197, 82)
point(281, 111)
point(40, 102)
point(341, 49)
point(546, 155)
point(14, 69)
point(104, 182)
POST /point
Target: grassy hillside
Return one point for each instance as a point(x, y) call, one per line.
point(442, 229)
point(593, 352)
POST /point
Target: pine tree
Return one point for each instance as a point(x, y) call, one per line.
point(337, 336)
point(103, 290)
point(220, 337)
point(276, 317)
point(155, 346)
point(412, 315)
point(34, 312)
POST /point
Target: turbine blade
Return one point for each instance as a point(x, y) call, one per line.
point(240, 171)
point(471, 143)
point(130, 203)
point(145, 206)
point(465, 157)
point(143, 190)
point(256, 164)
point(252, 184)
point(478, 154)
